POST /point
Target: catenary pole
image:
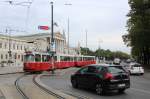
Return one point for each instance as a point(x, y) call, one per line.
point(52, 40)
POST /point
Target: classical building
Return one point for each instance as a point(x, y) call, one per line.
point(42, 41)
point(13, 48)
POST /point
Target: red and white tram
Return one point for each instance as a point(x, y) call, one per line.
point(37, 61)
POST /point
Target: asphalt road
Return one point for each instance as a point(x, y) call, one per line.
point(140, 87)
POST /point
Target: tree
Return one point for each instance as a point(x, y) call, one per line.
point(101, 53)
point(86, 51)
point(138, 25)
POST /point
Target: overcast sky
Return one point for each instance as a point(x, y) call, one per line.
point(104, 20)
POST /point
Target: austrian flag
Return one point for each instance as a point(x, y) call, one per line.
point(43, 27)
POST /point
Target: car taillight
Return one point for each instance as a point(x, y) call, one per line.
point(108, 76)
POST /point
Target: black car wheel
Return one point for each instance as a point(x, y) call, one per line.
point(121, 90)
point(99, 89)
point(74, 83)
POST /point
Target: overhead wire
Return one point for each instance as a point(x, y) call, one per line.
point(27, 16)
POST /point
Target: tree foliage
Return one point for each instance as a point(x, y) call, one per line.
point(86, 51)
point(138, 25)
point(107, 54)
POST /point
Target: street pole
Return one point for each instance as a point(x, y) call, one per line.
point(9, 47)
point(68, 4)
point(99, 48)
point(52, 40)
point(99, 58)
point(86, 41)
point(68, 35)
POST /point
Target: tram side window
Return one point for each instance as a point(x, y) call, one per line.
point(61, 58)
point(44, 58)
point(67, 58)
point(37, 58)
point(71, 58)
point(64, 58)
point(89, 58)
point(79, 59)
point(84, 58)
point(75, 58)
point(29, 58)
point(55, 58)
point(48, 57)
point(92, 58)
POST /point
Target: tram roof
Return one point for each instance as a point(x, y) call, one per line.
point(46, 53)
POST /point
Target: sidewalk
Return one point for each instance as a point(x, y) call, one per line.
point(10, 69)
point(8, 91)
point(147, 74)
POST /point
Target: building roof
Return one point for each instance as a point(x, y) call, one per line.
point(56, 34)
point(12, 38)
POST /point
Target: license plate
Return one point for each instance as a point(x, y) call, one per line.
point(121, 85)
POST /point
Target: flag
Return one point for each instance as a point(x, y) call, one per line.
point(43, 27)
point(55, 24)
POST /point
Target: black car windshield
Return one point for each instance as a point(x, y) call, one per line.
point(116, 69)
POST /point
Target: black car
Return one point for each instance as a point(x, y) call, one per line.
point(101, 78)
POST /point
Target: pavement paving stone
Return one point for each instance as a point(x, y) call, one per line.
point(147, 75)
point(66, 96)
point(11, 69)
point(10, 92)
point(1, 95)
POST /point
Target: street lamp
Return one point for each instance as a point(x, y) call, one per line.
point(52, 40)
point(68, 4)
point(9, 30)
point(22, 3)
point(9, 42)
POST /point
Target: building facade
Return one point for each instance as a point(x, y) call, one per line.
point(42, 41)
point(12, 49)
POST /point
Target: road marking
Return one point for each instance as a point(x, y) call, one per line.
point(140, 90)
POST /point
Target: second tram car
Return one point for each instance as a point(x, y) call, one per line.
point(37, 61)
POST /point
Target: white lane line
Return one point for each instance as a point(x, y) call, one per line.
point(141, 90)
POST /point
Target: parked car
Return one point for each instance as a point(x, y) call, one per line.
point(136, 68)
point(117, 61)
point(101, 78)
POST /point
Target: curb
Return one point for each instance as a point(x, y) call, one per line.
point(65, 96)
point(11, 73)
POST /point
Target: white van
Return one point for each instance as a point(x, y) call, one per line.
point(117, 61)
point(136, 68)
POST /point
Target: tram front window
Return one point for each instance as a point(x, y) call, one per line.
point(37, 57)
point(29, 58)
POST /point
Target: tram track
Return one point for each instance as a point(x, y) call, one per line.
point(46, 90)
point(76, 96)
point(42, 89)
point(19, 88)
